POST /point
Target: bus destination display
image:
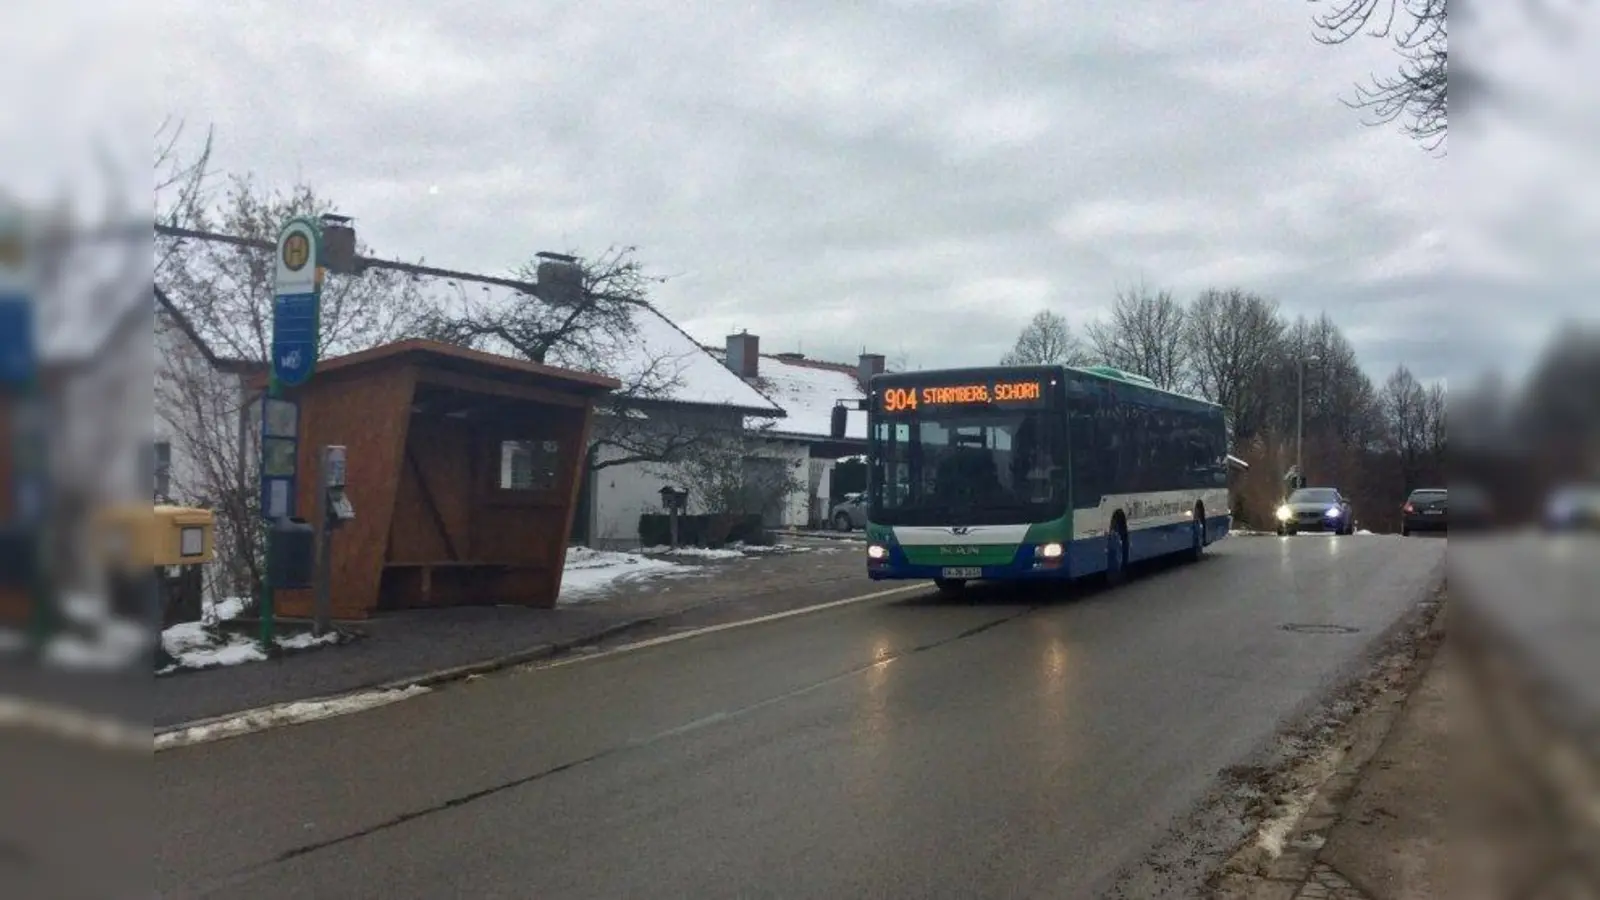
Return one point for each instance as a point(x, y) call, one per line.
point(907, 399)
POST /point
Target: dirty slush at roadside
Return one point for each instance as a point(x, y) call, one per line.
point(1258, 834)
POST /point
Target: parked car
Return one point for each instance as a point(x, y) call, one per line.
point(1574, 508)
point(849, 513)
point(1316, 509)
point(1427, 509)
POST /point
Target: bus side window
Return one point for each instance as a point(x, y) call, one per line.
point(1083, 435)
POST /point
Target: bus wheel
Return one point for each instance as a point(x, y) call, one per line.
point(949, 586)
point(1117, 553)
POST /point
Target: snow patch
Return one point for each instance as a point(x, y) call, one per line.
point(194, 647)
point(198, 645)
point(305, 640)
point(590, 572)
point(295, 713)
point(695, 552)
point(737, 550)
point(225, 609)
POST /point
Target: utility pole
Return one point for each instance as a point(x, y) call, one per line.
point(1300, 418)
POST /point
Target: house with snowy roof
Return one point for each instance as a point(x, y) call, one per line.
point(807, 390)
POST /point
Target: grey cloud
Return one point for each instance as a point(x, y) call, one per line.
point(833, 176)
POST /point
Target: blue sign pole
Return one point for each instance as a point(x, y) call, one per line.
point(296, 331)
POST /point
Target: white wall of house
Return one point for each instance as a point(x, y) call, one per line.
point(621, 493)
point(196, 412)
point(795, 457)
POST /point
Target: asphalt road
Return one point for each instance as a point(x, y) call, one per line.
point(1004, 745)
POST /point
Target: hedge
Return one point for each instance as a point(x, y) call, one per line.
point(655, 530)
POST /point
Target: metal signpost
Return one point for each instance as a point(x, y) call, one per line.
point(296, 327)
point(333, 509)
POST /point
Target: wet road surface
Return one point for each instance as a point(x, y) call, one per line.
point(1000, 745)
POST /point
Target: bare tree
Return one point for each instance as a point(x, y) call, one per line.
point(223, 294)
point(180, 177)
point(728, 476)
point(1045, 340)
point(596, 328)
point(1436, 409)
point(1233, 339)
point(1416, 94)
point(1405, 409)
point(225, 291)
point(203, 410)
point(1145, 334)
point(1341, 408)
point(581, 329)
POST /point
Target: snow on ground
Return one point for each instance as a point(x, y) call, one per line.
point(196, 645)
point(732, 551)
point(283, 714)
point(695, 552)
point(196, 648)
point(590, 572)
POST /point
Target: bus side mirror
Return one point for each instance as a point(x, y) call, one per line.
point(841, 417)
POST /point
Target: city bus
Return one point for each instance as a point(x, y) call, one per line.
point(1025, 473)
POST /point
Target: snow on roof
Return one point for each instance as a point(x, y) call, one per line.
point(660, 354)
point(807, 390)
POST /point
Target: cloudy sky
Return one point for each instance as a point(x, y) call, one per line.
point(915, 177)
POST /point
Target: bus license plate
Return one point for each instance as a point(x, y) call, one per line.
point(963, 573)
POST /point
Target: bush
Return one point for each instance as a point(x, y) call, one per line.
point(655, 530)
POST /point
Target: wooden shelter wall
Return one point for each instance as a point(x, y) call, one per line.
point(369, 415)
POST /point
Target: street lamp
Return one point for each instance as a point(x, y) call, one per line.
point(1300, 418)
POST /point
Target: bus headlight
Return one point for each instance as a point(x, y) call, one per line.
point(1051, 550)
point(876, 552)
point(1285, 513)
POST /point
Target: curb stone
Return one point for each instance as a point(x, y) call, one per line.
point(1297, 873)
point(437, 677)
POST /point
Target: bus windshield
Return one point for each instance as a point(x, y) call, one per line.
point(968, 467)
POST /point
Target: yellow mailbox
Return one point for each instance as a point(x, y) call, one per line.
point(182, 535)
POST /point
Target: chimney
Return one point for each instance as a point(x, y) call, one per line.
point(871, 364)
point(744, 354)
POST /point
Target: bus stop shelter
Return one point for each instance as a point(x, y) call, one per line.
point(463, 469)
